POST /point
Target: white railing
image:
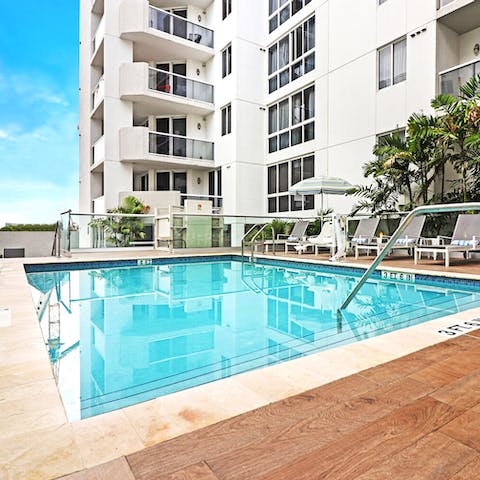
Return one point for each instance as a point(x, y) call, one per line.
point(98, 92)
point(99, 150)
point(444, 3)
point(99, 34)
point(453, 78)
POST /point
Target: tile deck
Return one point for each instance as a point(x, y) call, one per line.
point(417, 387)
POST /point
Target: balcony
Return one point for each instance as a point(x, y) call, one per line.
point(98, 151)
point(461, 16)
point(160, 34)
point(138, 144)
point(156, 91)
point(98, 93)
point(453, 78)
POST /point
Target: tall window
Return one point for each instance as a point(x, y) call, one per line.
point(291, 121)
point(392, 64)
point(281, 177)
point(292, 56)
point(227, 119)
point(279, 11)
point(227, 61)
point(226, 8)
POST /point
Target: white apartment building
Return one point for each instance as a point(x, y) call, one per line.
point(236, 100)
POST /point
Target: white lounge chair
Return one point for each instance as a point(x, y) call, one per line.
point(409, 239)
point(325, 239)
point(296, 235)
point(465, 239)
point(364, 232)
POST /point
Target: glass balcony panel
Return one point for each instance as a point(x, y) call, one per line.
point(452, 80)
point(178, 146)
point(175, 25)
point(166, 82)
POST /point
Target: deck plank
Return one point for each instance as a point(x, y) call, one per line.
point(466, 428)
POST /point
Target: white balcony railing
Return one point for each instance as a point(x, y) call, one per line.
point(178, 146)
point(180, 27)
point(98, 92)
point(453, 78)
point(166, 82)
point(99, 150)
point(443, 3)
point(99, 34)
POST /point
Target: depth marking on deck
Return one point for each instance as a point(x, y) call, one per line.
point(460, 328)
point(399, 276)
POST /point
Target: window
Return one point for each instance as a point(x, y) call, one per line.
point(279, 11)
point(381, 1)
point(292, 56)
point(227, 61)
point(400, 132)
point(281, 177)
point(227, 120)
point(392, 64)
point(180, 182)
point(291, 121)
point(226, 8)
point(163, 181)
point(144, 183)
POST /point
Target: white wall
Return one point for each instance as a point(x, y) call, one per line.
point(36, 244)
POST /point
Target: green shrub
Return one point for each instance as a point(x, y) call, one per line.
point(30, 227)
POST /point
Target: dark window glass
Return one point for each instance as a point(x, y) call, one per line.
point(297, 71)
point(211, 183)
point(283, 177)
point(272, 144)
point(309, 132)
point(272, 59)
point(272, 205)
point(272, 179)
point(180, 182)
point(309, 63)
point(309, 202)
point(144, 183)
point(296, 6)
point(272, 6)
point(226, 120)
point(272, 84)
point(272, 119)
point(226, 8)
point(308, 167)
point(297, 42)
point(284, 140)
point(309, 103)
point(283, 203)
point(163, 181)
point(296, 136)
point(284, 77)
point(227, 61)
point(273, 24)
point(284, 14)
point(296, 171)
point(219, 183)
point(296, 203)
point(309, 34)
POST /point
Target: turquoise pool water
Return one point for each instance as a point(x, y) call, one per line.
point(122, 335)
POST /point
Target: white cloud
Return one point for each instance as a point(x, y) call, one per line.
point(4, 135)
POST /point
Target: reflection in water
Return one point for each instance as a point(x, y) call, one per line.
point(119, 336)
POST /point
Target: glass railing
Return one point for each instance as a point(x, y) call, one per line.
point(178, 146)
point(443, 3)
point(178, 26)
point(166, 82)
point(217, 201)
point(451, 80)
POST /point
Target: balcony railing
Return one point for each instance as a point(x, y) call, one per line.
point(452, 79)
point(178, 146)
point(98, 92)
point(166, 82)
point(178, 26)
point(99, 34)
point(443, 3)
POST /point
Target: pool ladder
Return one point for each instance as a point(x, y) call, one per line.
point(447, 208)
point(262, 226)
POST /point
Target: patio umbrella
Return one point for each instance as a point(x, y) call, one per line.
point(321, 185)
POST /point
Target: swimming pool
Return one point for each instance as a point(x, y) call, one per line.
point(121, 333)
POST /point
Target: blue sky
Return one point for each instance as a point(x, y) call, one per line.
point(38, 110)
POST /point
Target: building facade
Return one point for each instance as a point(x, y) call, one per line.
point(233, 101)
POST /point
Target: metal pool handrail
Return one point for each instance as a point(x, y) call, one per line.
point(453, 207)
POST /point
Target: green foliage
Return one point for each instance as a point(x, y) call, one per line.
point(415, 167)
point(122, 231)
point(30, 227)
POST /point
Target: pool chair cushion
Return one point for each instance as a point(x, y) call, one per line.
point(463, 243)
point(405, 241)
point(360, 240)
point(293, 238)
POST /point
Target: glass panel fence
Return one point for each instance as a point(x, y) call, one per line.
point(178, 26)
point(177, 146)
point(452, 80)
point(166, 82)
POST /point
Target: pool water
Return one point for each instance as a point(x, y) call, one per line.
point(121, 335)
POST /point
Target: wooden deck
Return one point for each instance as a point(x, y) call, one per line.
point(415, 417)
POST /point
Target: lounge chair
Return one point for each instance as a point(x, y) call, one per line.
point(325, 239)
point(465, 239)
point(409, 239)
point(296, 235)
point(364, 232)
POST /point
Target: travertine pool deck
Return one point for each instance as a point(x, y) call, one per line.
point(38, 442)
